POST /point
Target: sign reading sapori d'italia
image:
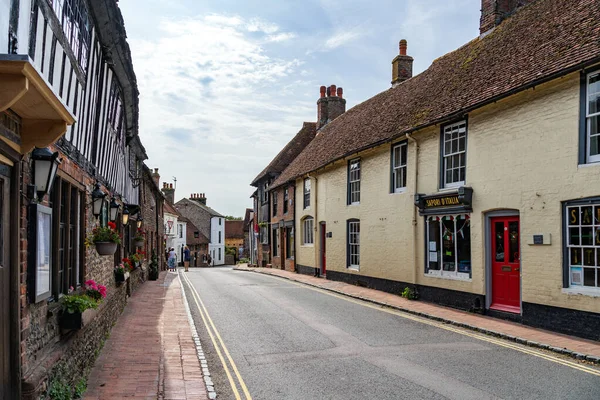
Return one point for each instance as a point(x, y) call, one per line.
point(442, 201)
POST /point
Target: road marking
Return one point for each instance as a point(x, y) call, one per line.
point(447, 327)
point(203, 312)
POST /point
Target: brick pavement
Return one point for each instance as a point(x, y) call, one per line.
point(150, 353)
point(569, 345)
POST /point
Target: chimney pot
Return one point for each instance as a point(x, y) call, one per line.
point(156, 170)
point(403, 45)
point(171, 186)
point(329, 108)
point(322, 90)
point(332, 90)
point(340, 92)
point(402, 65)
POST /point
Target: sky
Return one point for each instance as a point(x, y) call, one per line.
point(225, 84)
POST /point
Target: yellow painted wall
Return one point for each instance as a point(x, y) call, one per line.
point(521, 154)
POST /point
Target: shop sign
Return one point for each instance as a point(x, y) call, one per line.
point(458, 201)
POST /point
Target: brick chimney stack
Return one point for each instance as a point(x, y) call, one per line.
point(331, 104)
point(493, 12)
point(156, 177)
point(199, 197)
point(169, 192)
point(402, 65)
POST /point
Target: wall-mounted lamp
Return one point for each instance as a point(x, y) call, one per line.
point(114, 209)
point(139, 222)
point(97, 200)
point(125, 215)
point(45, 166)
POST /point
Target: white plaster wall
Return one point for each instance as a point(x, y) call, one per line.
point(215, 245)
point(4, 18)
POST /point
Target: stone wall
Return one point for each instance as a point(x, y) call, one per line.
point(199, 217)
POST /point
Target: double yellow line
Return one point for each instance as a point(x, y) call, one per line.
point(462, 331)
point(218, 344)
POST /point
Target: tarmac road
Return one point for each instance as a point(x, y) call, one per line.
point(280, 340)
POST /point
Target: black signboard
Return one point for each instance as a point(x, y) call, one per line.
point(538, 239)
point(445, 203)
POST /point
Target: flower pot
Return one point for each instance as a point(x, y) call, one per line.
point(153, 275)
point(106, 248)
point(121, 277)
point(77, 320)
point(138, 243)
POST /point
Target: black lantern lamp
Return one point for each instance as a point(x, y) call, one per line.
point(97, 200)
point(114, 209)
point(125, 215)
point(140, 222)
point(45, 165)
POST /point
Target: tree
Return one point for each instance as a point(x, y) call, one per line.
point(232, 218)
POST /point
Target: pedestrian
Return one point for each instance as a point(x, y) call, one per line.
point(172, 259)
point(186, 258)
point(209, 260)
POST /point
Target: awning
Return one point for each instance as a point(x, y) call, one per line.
point(44, 117)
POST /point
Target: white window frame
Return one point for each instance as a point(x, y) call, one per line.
point(354, 181)
point(353, 245)
point(588, 119)
point(441, 273)
point(308, 231)
point(307, 188)
point(460, 128)
point(398, 166)
point(594, 247)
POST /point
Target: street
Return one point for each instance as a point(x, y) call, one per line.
point(280, 340)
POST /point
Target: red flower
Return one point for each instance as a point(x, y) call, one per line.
point(112, 225)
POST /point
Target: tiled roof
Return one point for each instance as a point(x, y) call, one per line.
point(168, 207)
point(289, 152)
point(198, 204)
point(234, 229)
point(247, 218)
point(542, 41)
point(191, 239)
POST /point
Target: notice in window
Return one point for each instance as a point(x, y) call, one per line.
point(432, 246)
point(433, 256)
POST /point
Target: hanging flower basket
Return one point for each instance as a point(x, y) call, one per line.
point(138, 243)
point(106, 248)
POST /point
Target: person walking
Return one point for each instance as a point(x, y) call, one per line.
point(172, 259)
point(186, 258)
point(209, 259)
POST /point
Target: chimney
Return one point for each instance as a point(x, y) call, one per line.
point(402, 65)
point(493, 12)
point(156, 177)
point(331, 104)
point(169, 192)
point(199, 197)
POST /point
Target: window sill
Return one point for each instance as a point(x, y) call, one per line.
point(354, 204)
point(399, 191)
point(354, 268)
point(588, 165)
point(449, 276)
point(582, 291)
point(308, 245)
point(451, 187)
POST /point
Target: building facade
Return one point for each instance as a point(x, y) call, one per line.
point(68, 90)
point(234, 236)
point(483, 203)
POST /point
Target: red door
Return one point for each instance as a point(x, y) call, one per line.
point(323, 253)
point(506, 265)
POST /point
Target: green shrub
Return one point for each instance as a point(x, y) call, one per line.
point(77, 303)
point(59, 390)
point(410, 293)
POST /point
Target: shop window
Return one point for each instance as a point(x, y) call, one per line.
point(399, 167)
point(583, 244)
point(353, 244)
point(308, 234)
point(354, 181)
point(264, 235)
point(454, 154)
point(289, 242)
point(275, 242)
point(591, 110)
point(67, 246)
point(306, 193)
point(448, 246)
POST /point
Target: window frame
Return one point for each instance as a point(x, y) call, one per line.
point(443, 157)
point(441, 273)
point(306, 193)
point(276, 242)
point(394, 168)
point(308, 231)
point(353, 200)
point(289, 243)
point(595, 228)
point(585, 135)
point(274, 202)
point(353, 222)
point(286, 198)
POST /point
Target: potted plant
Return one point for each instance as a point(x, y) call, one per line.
point(78, 306)
point(153, 267)
point(128, 264)
point(137, 258)
point(139, 238)
point(121, 273)
point(105, 238)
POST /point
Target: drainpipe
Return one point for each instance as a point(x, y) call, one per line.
point(414, 221)
point(317, 224)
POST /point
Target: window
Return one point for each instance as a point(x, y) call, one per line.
point(286, 195)
point(354, 181)
point(115, 108)
point(219, 237)
point(274, 203)
point(583, 244)
point(308, 233)
point(68, 251)
point(264, 235)
point(275, 242)
point(592, 117)
point(265, 194)
point(219, 250)
point(399, 167)
point(353, 244)
point(306, 192)
point(73, 17)
point(448, 246)
point(220, 222)
point(289, 242)
point(179, 230)
point(454, 154)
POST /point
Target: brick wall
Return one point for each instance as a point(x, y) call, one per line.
point(281, 218)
